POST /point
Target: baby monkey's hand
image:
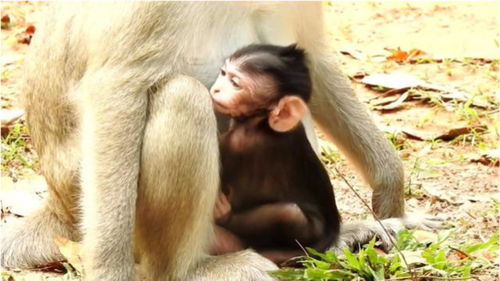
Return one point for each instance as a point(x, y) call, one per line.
point(222, 211)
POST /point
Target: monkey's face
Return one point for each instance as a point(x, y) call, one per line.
point(239, 94)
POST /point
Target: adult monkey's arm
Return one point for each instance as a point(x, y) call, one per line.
point(345, 120)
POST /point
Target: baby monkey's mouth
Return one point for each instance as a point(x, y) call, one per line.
point(220, 107)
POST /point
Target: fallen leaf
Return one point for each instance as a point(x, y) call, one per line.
point(416, 52)
point(392, 81)
point(384, 100)
point(413, 257)
point(458, 253)
point(56, 267)
point(71, 251)
point(453, 133)
point(430, 136)
point(24, 38)
point(489, 157)
point(354, 53)
point(400, 55)
point(425, 237)
point(5, 21)
point(397, 55)
point(412, 136)
point(8, 117)
point(402, 82)
point(21, 198)
point(397, 104)
point(30, 29)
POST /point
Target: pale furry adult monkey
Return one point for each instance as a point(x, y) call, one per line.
point(108, 112)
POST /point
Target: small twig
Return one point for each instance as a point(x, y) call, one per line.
point(378, 220)
point(471, 215)
point(302, 247)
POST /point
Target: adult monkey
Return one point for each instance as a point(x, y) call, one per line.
point(103, 84)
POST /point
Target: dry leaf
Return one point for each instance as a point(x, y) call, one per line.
point(416, 52)
point(30, 29)
point(71, 251)
point(354, 53)
point(8, 117)
point(21, 198)
point(453, 133)
point(489, 157)
point(397, 104)
point(401, 82)
point(429, 136)
point(425, 237)
point(5, 21)
point(392, 81)
point(458, 253)
point(383, 100)
point(400, 55)
point(413, 257)
point(56, 267)
point(397, 55)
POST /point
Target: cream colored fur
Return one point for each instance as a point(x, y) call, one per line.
point(119, 113)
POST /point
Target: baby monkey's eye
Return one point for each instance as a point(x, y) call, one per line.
point(235, 84)
point(222, 72)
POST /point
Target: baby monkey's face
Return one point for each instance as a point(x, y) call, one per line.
point(237, 94)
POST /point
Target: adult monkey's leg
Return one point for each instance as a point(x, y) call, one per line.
point(178, 185)
point(30, 241)
point(113, 113)
point(179, 178)
point(52, 122)
point(345, 120)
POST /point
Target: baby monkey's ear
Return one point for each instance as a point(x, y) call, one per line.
point(287, 114)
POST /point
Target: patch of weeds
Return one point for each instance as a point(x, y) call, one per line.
point(379, 89)
point(328, 154)
point(447, 66)
point(494, 67)
point(466, 112)
point(416, 260)
point(414, 175)
point(397, 139)
point(15, 152)
point(428, 117)
point(423, 60)
point(432, 96)
point(473, 138)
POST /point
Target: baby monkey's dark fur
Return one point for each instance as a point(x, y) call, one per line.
point(280, 193)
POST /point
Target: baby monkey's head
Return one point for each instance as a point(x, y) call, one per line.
point(264, 79)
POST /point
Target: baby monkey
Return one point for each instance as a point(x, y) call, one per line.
point(275, 192)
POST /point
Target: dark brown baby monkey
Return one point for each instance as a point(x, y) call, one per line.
point(275, 194)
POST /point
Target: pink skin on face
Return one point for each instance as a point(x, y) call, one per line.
point(233, 91)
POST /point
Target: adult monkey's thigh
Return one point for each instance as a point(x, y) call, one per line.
point(179, 178)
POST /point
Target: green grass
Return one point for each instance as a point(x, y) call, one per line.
point(17, 156)
point(416, 260)
point(13, 146)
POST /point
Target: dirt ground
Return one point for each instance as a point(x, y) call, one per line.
point(446, 129)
